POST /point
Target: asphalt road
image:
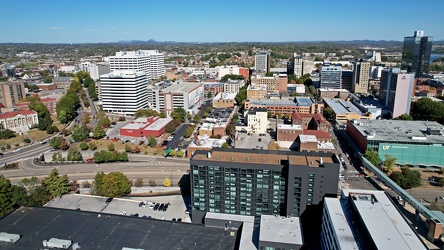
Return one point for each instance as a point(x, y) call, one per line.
point(174, 143)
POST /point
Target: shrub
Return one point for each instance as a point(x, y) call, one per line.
point(111, 147)
point(83, 146)
point(86, 184)
point(27, 140)
point(138, 182)
point(92, 146)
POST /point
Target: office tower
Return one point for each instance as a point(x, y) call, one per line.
point(253, 182)
point(290, 67)
point(307, 67)
point(149, 61)
point(347, 80)
point(331, 76)
point(124, 92)
point(395, 91)
point(262, 61)
point(416, 53)
point(298, 65)
point(361, 71)
point(11, 93)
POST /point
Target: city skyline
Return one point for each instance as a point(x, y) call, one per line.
point(223, 21)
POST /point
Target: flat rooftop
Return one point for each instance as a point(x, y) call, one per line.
point(263, 157)
point(158, 124)
point(272, 102)
point(399, 131)
point(304, 101)
point(382, 219)
point(308, 138)
point(105, 231)
point(225, 96)
point(341, 107)
point(289, 126)
point(184, 87)
point(281, 230)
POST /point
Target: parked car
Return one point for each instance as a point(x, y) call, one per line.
point(16, 151)
point(141, 204)
point(165, 208)
point(161, 207)
point(108, 200)
point(156, 206)
point(1, 154)
point(179, 219)
point(43, 142)
point(174, 219)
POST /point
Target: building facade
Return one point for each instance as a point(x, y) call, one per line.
point(361, 72)
point(19, 121)
point(285, 106)
point(233, 86)
point(416, 53)
point(11, 93)
point(63, 82)
point(331, 76)
point(262, 61)
point(145, 127)
point(149, 61)
point(396, 90)
point(187, 95)
point(124, 92)
point(256, 120)
point(252, 182)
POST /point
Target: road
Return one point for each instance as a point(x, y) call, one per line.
point(174, 143)
point(155, 168)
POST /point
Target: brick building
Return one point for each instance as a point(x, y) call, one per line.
point(310, 121)
point(145, 127)
point(50, 104)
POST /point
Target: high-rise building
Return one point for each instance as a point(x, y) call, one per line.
point(290, 67)
point(331, 76)
point(149, 61)
point(395, 91)
point(416, 53)
point(361, 71)
point(262, 61)
point(11, 93)
point(298, 65)
point(252, 182)
point(307, 67)
point(124, 92)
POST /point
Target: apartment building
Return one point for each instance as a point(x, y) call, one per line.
point(11, 93)
point(187, 95)
point(361, 73)
point(151, 62)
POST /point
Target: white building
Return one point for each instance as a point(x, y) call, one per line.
point(233, 86)
point(149, 61)
point(19, 121)
point(124, 92)
point(229, 70)
point(365, 219)
point(95, 69)
point(262, 61)
point(256, 119)
point(187, 95)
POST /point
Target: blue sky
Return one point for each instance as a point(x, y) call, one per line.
point(82, 21)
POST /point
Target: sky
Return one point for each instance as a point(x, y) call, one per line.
point(102, 21)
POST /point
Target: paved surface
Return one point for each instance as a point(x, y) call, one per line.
point(244, 140)
point(174, 143)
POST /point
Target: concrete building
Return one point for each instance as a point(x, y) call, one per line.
point(253, 182)
point(62, 82)
point(414, 143)
point(151, 62)
point(11, 93)
point(310, 143)
point(375, 71)
point(224, 100)
point(333, 93)
point(187, 95)
point(95, 69)
point(286, 106)
point(262, 61)
point(211, 89)
point(331, 76)
point(361, 72)
point(203, 142)
point(233, 86)
point(347, 80)
point(307, 67)
point(365, 219)
point(280, 233)
point(396, 90)
point(124, 92)
point(19, 121)
point(416, 53)
point(345, 110)
point(297, 88)
point(145, 127)
point(257, 91)
point(221, 71)
point(272, 82)
point(298, 65)
point(256, 120)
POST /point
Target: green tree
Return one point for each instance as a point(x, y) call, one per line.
point(98, 132)
point(426, 109)
point(241, 96)
point(189, 132)
point(328, 113)
point(74, 155)
point(27, 140)
point(230, 130)
point(179, 114)
point(389, 162)
point(372, 156)
point(55, 184)
point(55, 142)
point(407, 178)
point(404, 117)
point(166, 182)
point(231, 77)
point(145, 113)
point(152, 141)
point(138, 182)
point(6, 134)
point(114, 184)
point(235, 118)
point(51, 129)
point(6, 204)
point(179, 154)
point(111, 147)
point(225, 145)
point(196, 118)
point(83, 146)
point(80, 133)
point(92, 146)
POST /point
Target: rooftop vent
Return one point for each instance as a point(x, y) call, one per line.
point(209, 155)
point(12, 238)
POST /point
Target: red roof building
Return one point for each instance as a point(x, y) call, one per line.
point(19, 121)
point(50, 104)
point(310, 121)
point(145, 127)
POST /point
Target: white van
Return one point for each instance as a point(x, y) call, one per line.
point(16, 151)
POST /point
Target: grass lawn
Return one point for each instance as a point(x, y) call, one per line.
point(38, 135)
point(118, 146)
point(18, 139)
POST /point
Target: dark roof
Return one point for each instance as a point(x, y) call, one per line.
point(108, 231)
point(254, 110)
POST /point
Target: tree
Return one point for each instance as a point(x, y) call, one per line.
point(389, 162)
point(6, 204)
point(426, 109)
point(114, 184)
point(179, 114)
point(241, 96)
point(152, 141)
point(179, 153)
point(372, 156)
point(6, 134)
point(230, 129)
point(83, 146)
point(111, 147)
point(51, 129)
point(98, 132)
point(138, 182)
point(166, 182)
point(328, 113)
point(225, 145)
point(80, 133)
point(189, 131)
point(74, 155)
point(55, 142)
point(407, 178)
point(404, 117)
point(196, 118)
point(235, 118)
point(231, 77)
point(145, 113)
point(27, 140)
point(55, 184)
point(127, 148)
point(152, 182)
point(92, 146)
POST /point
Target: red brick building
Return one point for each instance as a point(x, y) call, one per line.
point(310, 121)
point(145, 127)
point(50, 104)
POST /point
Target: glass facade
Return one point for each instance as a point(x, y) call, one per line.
point(430, 155)
point(416, 54)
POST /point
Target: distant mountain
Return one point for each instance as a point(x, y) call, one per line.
point(151, 41)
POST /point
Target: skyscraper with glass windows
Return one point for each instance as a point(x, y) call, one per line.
point(416, 53)
point(254, 182)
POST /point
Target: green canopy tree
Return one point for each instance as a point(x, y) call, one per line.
point(152, 141)
point(145, 113)
point(114, 184)
point(74, 155)
point(98, 132)
point(6, 204)
point(55, 184)
point(179, 114)
point(80, 133)
point(373, 157)
point(407, 178)
point(389, 162)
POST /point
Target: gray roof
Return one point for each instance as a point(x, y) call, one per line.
point(184, 87)
point(91, 231)
point(341, 107)
point(399, 131)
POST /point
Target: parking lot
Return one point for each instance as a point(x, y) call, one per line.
point(253, 141)
point(177, 205)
